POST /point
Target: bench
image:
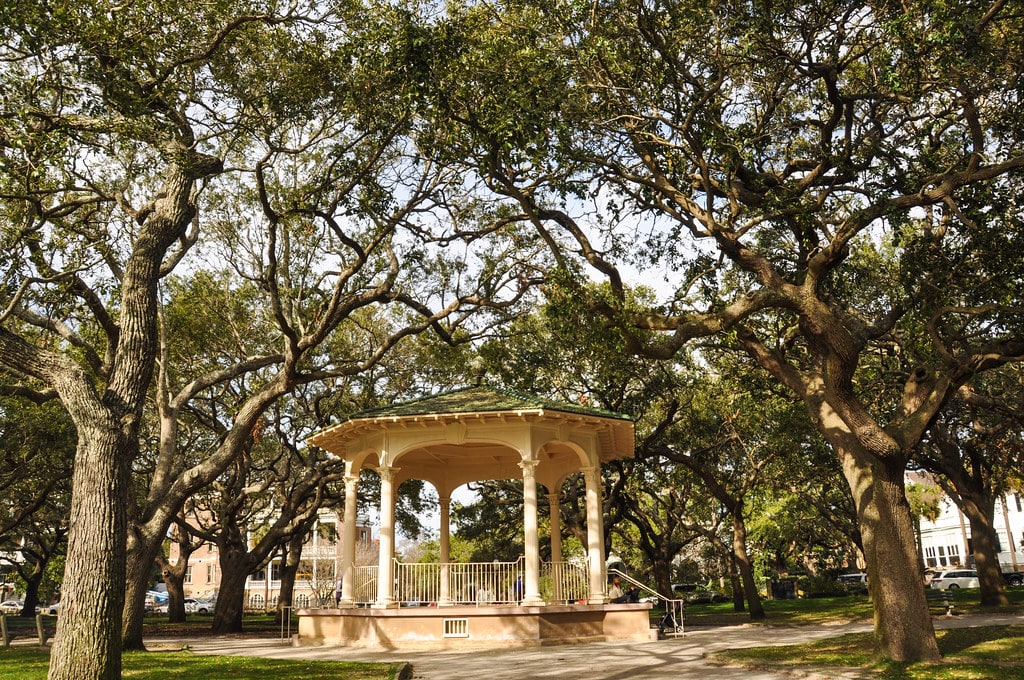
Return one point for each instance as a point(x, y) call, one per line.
point(39, 628)
point(937, 598)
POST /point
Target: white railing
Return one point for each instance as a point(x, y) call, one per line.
point(323, 551)
point(564, 582)
point(474, 583)
point(468, 583)
point(365, 591)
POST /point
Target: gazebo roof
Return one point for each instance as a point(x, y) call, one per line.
point(477, 433)
point(480, 399)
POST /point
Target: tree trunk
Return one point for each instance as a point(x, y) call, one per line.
point(662, 572)
point(289, 570)
point(981, 515)
point(234, 568)
point(142, 554)
point(230, 603)
point(32, 589)
point(174, 579)
point(743, 565)
point(903, 624)
point(738, 603)
point(88, 640)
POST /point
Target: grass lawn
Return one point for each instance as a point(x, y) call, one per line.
point(253, 625)
point(981, 653)
point(31, 663)
point(824, 610)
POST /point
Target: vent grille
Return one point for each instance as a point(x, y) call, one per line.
point(456, 628)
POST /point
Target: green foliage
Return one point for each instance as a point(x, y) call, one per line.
point(493, 523)
point(925, 500)
point(460, 549)
point(820, 586)
point(37, 448)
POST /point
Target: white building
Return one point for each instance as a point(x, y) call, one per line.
point(314, 583)
point(946, 542)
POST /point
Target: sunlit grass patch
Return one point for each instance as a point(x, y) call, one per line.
point(991, 643)
point(31, 663)
point(23, 662)
point(980, 653)
point(826, 610)
point(810, 611)
point(847, 650)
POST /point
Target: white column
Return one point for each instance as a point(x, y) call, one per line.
point(554, 504)
point(555, 514)
point(386, 559)
point(1009, 533)
point(445, 596)
point(595, 536)
point(531, 540)
point(348, 542)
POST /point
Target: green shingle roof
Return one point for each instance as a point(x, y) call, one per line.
point(480, 399)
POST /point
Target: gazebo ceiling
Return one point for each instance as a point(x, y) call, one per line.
point(465, 435)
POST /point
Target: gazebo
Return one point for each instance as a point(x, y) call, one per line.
point(450, 439)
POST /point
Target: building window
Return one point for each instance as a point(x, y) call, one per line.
point(954, 554)
point(211, 573)
point(259, 575)
point(929, 554)
point(188, 574)
point(302, 601)
point(275, 571)
point(256, 601)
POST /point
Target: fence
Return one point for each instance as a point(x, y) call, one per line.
point(474, 583)
point(564, 582)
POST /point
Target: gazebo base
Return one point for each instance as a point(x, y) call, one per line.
point(473, 627)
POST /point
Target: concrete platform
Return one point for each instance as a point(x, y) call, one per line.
point(441, 628)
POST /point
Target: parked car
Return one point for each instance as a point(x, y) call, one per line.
point(1014, 578)
point(696, 593)
point(192, 606)
point(52, 609)
point(11, 607)
point(854, 583)
point(165, 606)
point(955, 578)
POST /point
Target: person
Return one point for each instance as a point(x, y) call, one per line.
point(337, 593)
point(484, 595)
point(616, 595)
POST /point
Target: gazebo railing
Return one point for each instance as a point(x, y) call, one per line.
point(564, 582)
point(365, 591)
point(474, 583)
point(469, 583)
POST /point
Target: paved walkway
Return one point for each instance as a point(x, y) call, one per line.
point(673, 658)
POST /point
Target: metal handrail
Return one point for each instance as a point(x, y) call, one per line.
point(674, 621)
point(286, 624)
